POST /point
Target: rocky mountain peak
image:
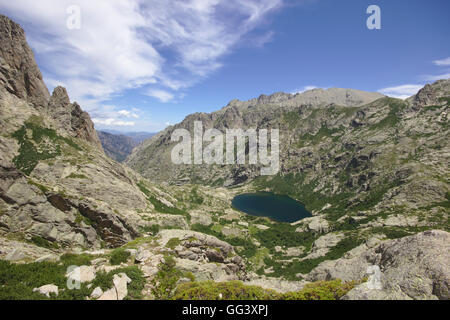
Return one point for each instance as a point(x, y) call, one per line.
point(19, 73)
point(431, 94)
point(70, 117)
point(60, 95)
point(274, 98)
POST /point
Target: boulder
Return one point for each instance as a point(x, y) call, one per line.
point(82, 274)
point(97, 293)
point(47, 290)
point(413, 267)
point(15, 255)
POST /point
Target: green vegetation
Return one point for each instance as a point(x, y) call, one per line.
point(248, 250)
point(283, 234)
point(153, 229)
point(41, 187)
point(322, 290)
point(17, 281)
point(291, 269)
point(159, 206)
point(80, 218)
point(77, 176)
point(105, 281)
point(232, 290)
point(36, 144)
point(195, 198)
point(236, 290)
point(296, 186)
point(392, 118)
point(41, 242)
point(165, 281)
point(324, 132)
point(119, 256)
point(70, 259)
point(172, 243)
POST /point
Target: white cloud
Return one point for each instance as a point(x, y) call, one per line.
point(402, 92)
point(113, 122)
point(127, 114)
point(442, 62)
point(304, 89)
point(125, 44)
point(437, 77)
point(161, 95)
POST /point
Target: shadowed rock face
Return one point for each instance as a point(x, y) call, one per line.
point(19, 73)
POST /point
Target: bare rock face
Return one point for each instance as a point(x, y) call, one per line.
point(19, 73)
point(414, 267)
point(69, 117)
point(431, 94)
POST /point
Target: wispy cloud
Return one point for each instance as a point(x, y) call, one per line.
point(136, 44)
point(436, 77)
point(442, 62)
point(128, 114)
point(161, 95)
point(304, 89)
point(113, 122)
point(402, 92)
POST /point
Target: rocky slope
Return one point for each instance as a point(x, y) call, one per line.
point(117, 147)
point(56, 184)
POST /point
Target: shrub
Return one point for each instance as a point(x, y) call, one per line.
point(119, 256)
point(29, 155)
point(232, 290)
point(322, 290)
point(105, 281)
point(70, 259)
point(172, 243)
point(166, 279)
point(41, 242)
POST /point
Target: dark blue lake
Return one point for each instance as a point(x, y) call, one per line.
point(266, 204)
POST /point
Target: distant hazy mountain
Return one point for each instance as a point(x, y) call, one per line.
point(117, 147)
point(138, 137)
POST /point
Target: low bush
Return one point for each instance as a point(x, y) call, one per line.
point(232, 290)
point(119, 256)
point(322, 290)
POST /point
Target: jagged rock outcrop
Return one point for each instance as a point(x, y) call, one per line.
point(70, 118)
point(19, 73)
point(431, 95)
point(205, 256)
point(414, 267)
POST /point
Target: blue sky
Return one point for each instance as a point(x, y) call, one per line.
point(138, 65)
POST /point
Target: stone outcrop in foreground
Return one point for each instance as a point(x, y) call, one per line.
point(414, 267)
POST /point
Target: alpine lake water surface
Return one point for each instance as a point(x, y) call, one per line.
point(280, 208)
